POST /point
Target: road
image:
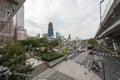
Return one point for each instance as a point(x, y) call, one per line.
point(112, 66)
point(111, 63)
point(73, 54)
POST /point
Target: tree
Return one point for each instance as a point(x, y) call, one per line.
point(92, 41)
point(13, 55)
point(43, 42)
point(33, 42)
point(53, 44)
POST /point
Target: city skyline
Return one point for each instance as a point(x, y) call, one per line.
point(74, 18)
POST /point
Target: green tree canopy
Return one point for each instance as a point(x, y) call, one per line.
point(53, 43)
point(33, 42)
point(13, 55)
point(92, 41)
point(43, 42)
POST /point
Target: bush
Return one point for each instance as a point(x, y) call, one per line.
point(39, 54)
point(51, 57)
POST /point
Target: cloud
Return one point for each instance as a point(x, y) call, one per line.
point(80, 18)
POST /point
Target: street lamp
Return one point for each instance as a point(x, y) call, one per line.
point(101, 11)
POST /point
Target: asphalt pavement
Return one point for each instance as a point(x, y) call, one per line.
point(73, 54)
point(111, 65)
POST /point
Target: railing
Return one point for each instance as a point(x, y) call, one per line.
point(108, 6)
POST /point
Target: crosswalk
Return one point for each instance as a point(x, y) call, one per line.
point(105, 54)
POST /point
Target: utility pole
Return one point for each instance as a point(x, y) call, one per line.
point(101, 12)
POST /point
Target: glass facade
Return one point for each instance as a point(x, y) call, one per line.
point(50, 30)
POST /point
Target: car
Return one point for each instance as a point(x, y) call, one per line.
point(91, 52)
point(89, 47)
point(96, 57)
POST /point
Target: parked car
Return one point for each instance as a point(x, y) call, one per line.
point(96, 57)
point(89, 47)
point(91, 52)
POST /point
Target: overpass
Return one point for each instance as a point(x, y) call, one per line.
point(109, 31)
point(8, 8)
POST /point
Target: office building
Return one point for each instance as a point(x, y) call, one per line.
point(58, 35)
point(20, 32)
point(45, 35)
point(50, 30)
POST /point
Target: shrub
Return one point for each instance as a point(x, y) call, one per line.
point(51, 57)
point(39, 54)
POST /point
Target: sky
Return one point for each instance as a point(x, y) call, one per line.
point(80, 18)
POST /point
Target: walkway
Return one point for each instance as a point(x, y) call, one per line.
point(68, 70)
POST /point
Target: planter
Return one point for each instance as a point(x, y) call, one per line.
point(54, 62)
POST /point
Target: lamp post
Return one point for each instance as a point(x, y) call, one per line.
point(103, 64)
point(101, 11)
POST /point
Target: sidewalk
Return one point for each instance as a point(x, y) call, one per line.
point(68, 70)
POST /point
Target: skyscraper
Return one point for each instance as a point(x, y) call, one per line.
point(69, 36)
point(20, 31)
point(14, 29)
point(45, 35)
point(50, 30)
point(58, 35)
point(20, 18)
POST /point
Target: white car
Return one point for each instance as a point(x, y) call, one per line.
point(96, 57)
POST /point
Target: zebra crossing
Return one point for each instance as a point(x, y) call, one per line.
point(105, 54)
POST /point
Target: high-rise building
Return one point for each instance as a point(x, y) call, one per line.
point(38, 36)
point(20, 18)
point(45, 35)
point(20, 32)
point(69, 36)
point(58, 35)
point(50, 30)
point(7, 32)
point(14, 29)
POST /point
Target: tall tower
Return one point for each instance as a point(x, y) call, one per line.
point(50, 30)
point(69, 36)
point(58, 35)
point(20, 31)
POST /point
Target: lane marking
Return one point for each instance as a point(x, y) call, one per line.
point(88, 62)
point(116, 60)
point(112, 70)
point(118, 73)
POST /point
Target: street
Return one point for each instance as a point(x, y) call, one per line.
point(73, 54)
point(112, 66)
